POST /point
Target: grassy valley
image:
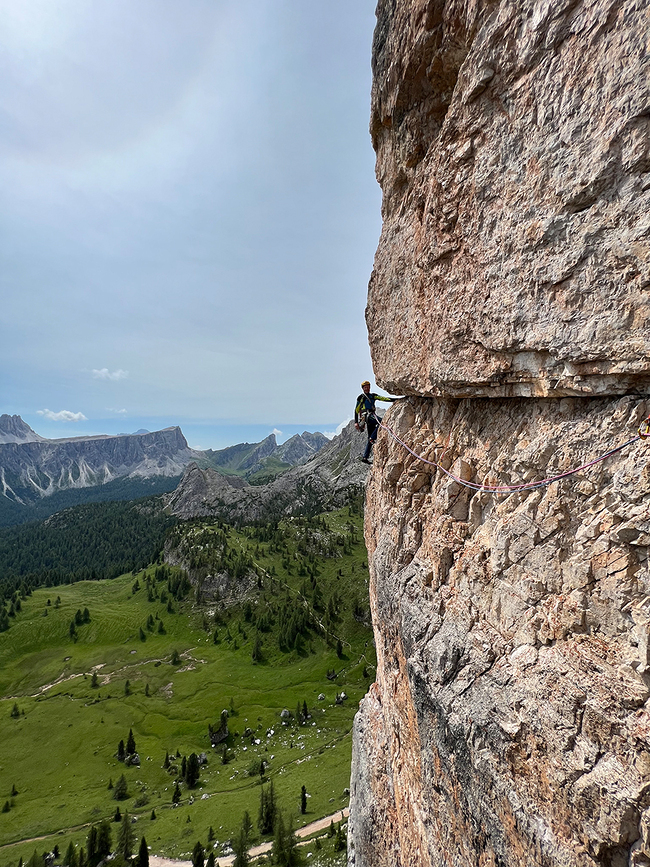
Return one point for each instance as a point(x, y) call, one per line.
point(154, 657)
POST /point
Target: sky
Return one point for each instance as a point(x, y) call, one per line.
point(189, 215)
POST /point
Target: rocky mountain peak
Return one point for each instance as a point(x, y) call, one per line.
point(14, 430)
point(327, 479)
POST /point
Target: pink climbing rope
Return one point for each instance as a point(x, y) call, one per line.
point(509, 489)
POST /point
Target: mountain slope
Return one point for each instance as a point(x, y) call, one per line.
point(30, 470)
point(14, 430)
point(329, 479)
point(261, 461)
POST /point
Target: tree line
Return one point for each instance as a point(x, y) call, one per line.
point(94, 541)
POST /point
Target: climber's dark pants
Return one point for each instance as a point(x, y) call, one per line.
point(371, 426)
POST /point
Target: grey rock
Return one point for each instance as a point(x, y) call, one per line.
point(14, 430)
point(35, 468)
point(326, 481)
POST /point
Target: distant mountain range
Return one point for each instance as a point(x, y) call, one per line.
point(333, 477)
point(260, 462)
point(38, 476)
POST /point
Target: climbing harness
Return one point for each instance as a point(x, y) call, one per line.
point(528, 486)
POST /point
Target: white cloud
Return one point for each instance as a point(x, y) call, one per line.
point(330, 434)
point(105, 373)
point(64, 415)
point(117, 411)
point(277, 432)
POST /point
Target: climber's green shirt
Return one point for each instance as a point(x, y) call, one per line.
point(366, 404)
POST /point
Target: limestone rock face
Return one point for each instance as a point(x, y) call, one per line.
point(513, 151)
point(510, 721)
point(509, 725)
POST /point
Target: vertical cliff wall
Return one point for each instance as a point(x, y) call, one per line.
point(509, 723)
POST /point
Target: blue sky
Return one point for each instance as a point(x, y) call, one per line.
point(189, 215)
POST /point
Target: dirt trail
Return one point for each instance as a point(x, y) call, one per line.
point(306, 831)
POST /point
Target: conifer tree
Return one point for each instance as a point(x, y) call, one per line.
point(285, 845)
point(198, 855)
point(143, 854)
point(268, 809)
point(130, 743)
point(70, 859)
point(125, 838)
point(193, 771)
point(121, 790)
point(240, 849)
point(91, 846)
point(104, 839)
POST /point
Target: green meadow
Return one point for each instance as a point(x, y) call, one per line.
point(166, 675)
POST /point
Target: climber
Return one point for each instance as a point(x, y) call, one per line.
point(364, 416)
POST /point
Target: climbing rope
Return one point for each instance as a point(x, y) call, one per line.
point(644, 433)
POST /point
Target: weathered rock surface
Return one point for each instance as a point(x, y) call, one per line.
point(326, 481)
point(513, 151)
point(510, 721)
